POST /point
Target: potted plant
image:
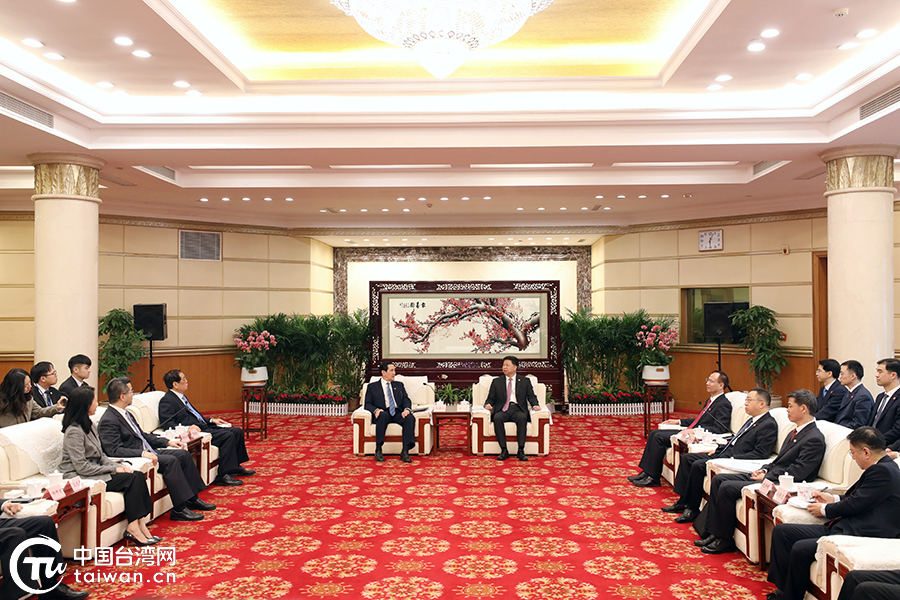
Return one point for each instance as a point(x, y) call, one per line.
point(252, 356)
point(120, 345)
point(654, 343)
point(450, 396)
point(762, 340)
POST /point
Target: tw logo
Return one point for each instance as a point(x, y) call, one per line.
point(51, 573)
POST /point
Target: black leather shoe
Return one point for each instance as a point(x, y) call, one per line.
point(647, 482)
point(379, 457)
point(675, 508)
point(776, 595)
point(155, 539)
point(640, 475)
point(719, 546)
point(198, 504)
point(133, 539)
point(688, 516)
point(503, 455)
point(404, 456)
point(62, 591)
point(185, 514)
point(227, 480)
point(242, 472)
point(521, 456)
point(707, 540)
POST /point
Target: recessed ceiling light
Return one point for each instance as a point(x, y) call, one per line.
point(529, 239)
point(226, 199)
point(204, 199)
point(599, 197)
point(32, 43)
point(642, 196)
point(464, 198)
point(607, 208)
point(584, 208)
point(346, 240)
point(664, 196)
point(846, 46)
point(520, 208)
point(142, 54)
point(404, 244)
point(401, 199)
point(356, 245)
point(371, 244)
point(123, 41)
point(405, 240)
point(267, 199)
point(756, 46)
point(687, 195)
point(364, 210)
point(714, 87)
point(54, 56)
point(445, 199)
point(288, 199)
point(490, 239)
point(419, 244)
point(509, 239)
point(322, 210)
point(405, 210)
point(421, 199)
point(770, 33)
point(424, 239)
point(803, 77)
point(540, 208)
point(385, 210)
point(246, 199)
point(532, 166)
point(620, 197)
point(487, 197)
point(562, 208)
point(384, 239)
point(67, 0)
point(342, 210)
point(724, 78)
point(867, 33)
point(549, 238)
point(182, 84)
point(194, 93)
point(104, 84)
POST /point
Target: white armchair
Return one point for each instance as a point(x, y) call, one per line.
point(484, 440)
point(421, 394)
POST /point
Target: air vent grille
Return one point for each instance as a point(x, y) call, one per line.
point(764, 165)
point(116, 180)
point(200, 245)
point(164, 172)
point(23, 109)
point(880, 103)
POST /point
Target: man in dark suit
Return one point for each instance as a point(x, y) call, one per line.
point(176, 409)
point(508, 400)
point(121, 437)
point(80, 369)
point(871, 585)
point(832, 394)
point(801, 455)
point(754, 440)
point(715, 417)
point(388, 402)
point(870, 508)
point(43, 378)
point(13, 532)
point(858, 406)
point(886, 416)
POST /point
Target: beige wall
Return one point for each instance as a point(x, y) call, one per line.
point(259, 274)
point(649, 269)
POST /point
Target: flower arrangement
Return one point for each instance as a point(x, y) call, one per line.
point(621, 397)
point(654, 342)
point(253, 351)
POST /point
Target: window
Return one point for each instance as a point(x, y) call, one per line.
point(692, 317)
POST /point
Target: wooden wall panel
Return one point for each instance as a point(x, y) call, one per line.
point(6, 365)
point(213, 382)
point(691, 368)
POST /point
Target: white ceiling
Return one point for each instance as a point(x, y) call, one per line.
point(309, 127)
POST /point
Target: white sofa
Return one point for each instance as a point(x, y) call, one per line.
point(421, 395)
point(484, 439)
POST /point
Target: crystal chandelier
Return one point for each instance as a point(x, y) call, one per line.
point(441, 32)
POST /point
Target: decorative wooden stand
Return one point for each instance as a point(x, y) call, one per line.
point(248, 393)
point(647, 400)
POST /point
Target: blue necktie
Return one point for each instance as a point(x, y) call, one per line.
point(392, 407)
point(193, 411)
point(738, 434)
point(46, 396)
point(137, 430)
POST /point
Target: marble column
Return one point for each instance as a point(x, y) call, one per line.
point(66, 254)
point(860, 197)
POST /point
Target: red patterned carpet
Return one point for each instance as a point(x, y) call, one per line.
point(319, 523)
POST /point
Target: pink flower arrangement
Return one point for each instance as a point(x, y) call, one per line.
point(654, 342)
point(253, 351)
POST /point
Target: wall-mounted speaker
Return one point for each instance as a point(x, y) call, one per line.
point(151, 319)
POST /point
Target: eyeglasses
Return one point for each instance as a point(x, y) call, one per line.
point(853, 451)
point(711, 380)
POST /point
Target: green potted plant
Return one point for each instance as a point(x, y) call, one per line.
point(120, 345)
point(450, 396)
point(762, 340)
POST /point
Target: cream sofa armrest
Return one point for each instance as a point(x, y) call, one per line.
point(791, 514)
point(138, 463)
point(361, 414)
point(878, 554)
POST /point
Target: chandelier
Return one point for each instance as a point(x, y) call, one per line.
point(441, 33)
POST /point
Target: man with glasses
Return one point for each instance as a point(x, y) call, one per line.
point(715, 417)
point(870, 508)
point(832, 394)
point(43, 378)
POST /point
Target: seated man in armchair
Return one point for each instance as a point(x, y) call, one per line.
point(508, 400)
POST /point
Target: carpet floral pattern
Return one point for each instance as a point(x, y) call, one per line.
point(317, 523)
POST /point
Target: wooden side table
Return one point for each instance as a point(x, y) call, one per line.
point(249, 393)
point(458, 415)
point(72, 504)
point(647, 401)
point(194, 447)
point(765, 504)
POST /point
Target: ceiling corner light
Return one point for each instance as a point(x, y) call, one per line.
point(607, 208)
point(770, 33)
point(54, 56)
point(867, 33)
point(142, 54)
point(803, 77)
point(724, 78)
point(714, 87)
point(123, 41)
point(288, 199)
point(756, 45)
point(193, 93)
point(182, 84)
point(441, 35)
point(104, 84)
point(204, 199)
point(32, 43)
point(246, 199)
point(848, 46)
point(226, 199)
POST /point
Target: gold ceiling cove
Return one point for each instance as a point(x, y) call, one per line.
point(441, 34)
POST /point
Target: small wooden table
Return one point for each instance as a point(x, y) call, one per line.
point(251, 393)
point(194, 447)
point(72, 504)
point(648, 400)
point(765, 505)
point(453, 415)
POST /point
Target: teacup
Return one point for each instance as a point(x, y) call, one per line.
point(786, 482)
point(34, 490)
point(805, 491)
point(55, 478)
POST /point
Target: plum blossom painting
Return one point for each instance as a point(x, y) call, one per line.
point(465, 325)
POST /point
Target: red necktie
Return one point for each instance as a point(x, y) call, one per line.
point(509, 393)
point(793, 433)
point(708, 402)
